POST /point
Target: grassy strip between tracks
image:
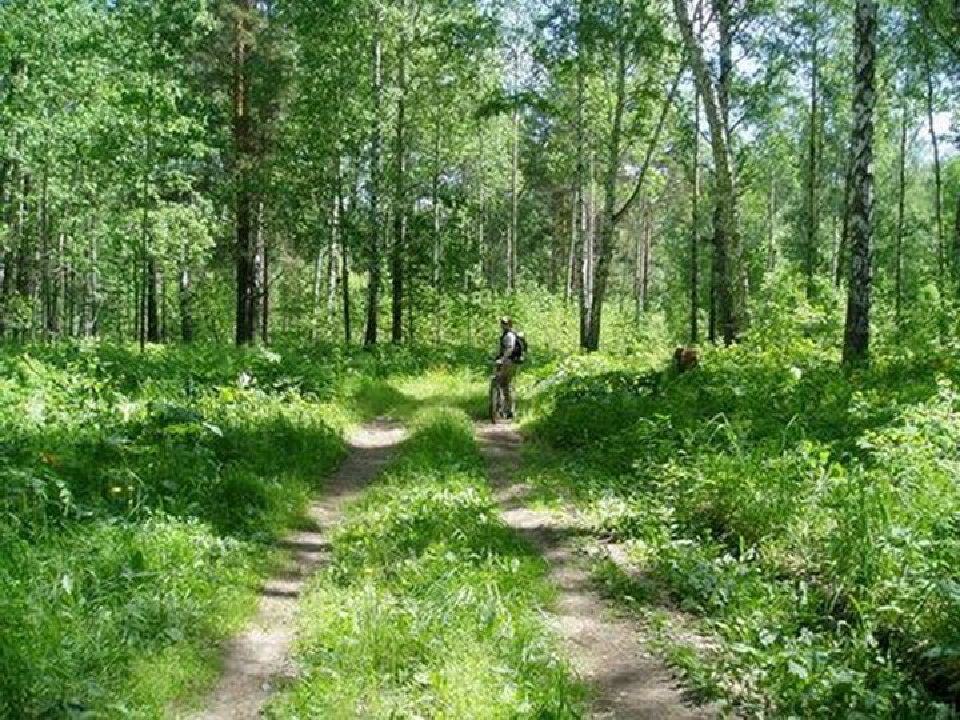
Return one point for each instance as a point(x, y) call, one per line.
point(431, 606)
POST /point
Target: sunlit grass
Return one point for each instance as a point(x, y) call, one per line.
point(806, 516)
point(430, 608)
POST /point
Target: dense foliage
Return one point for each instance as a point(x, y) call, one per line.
point(297, 177)
point(136, 501)
point(232, 170)
point(808, 516)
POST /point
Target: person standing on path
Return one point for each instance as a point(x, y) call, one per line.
point(507, 363)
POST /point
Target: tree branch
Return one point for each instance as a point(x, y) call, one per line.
point(930, 23)
point(651, 147)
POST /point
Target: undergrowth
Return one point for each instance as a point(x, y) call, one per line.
point(139, 498)
point(808, 516)
point(430, 608)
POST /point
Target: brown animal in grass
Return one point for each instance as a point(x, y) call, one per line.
point(685, 358)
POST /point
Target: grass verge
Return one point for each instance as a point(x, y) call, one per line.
point(806, 516)
point(139, 498)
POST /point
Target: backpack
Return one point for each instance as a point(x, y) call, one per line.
point(520, 349)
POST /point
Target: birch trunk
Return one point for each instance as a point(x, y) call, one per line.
point(243, 142)
point(572, 250)
point(398, 250)
point(813, 209)
point(695, 215)
point(373, 249)
point(598, 275)
point(435, 206)
point(335, 243)
point(514, 205)
point(901, 202)
point(956, 242)
point(937, 184)
point(186, 297)
point(856, 342)
point(725, 233)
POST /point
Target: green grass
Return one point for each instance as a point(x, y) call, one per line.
point(138, 501)
point(430, 608)
point(140, 496)
point(808, 517)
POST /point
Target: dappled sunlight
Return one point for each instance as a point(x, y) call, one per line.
point(430, 599)
point(784, 502)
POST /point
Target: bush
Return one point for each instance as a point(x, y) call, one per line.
point(810, 517)
point(137, 498)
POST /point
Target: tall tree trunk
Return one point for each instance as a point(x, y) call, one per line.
point(258, 284)
point(725, 223)
point(647, 259)
point(345, 264)
point(579, 238)
point(11, 265)
point(5, 254)
point(572, 250)
point(642, 270)
point(482, 213)
point(727, 235)
point(813, 209)
point(162, 292)
point(638, 268)
point(435, 205)
point(834, 239)
point(148, 282)
point(142, 307)
point(772, 251)
point(92, 299)
point(186, 296)
point(856, 341)
point(587, 271)
point(25, 259)
point(153, 319)
point(70, 302)
point(937, 184)
point(956, 241)
point(695, 214)
point(600, 272)
point(317, 293)
point(373, 250)
point(243, 142)
point(60, 324)
point(721, 12)
point(345, 290)
point(37, 267)
point(556, 244)
point(48, 269)
point(901, 202)
point(842, 266)
point(399, 249)
point(514, 203)
point(265, 284)
point(336, 241)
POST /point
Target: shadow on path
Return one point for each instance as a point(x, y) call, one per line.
point(609, 652)
point(255, 660)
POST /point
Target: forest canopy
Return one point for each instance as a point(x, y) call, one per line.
point(173, 169)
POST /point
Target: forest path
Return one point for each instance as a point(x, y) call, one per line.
point(609, 652)
point(260, 656)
